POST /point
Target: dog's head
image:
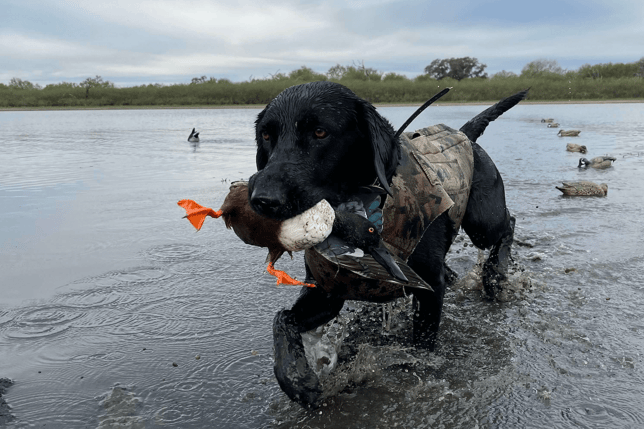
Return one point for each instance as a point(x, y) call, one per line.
point(318, 141)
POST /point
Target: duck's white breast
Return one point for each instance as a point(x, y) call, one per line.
point(309, 228)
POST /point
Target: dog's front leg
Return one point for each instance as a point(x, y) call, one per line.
point(297, 379)
point(428, 260)
point(292, 370)
point(428, 308)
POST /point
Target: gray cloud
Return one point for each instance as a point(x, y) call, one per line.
point(147, 41)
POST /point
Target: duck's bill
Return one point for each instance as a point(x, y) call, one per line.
point(384, 258)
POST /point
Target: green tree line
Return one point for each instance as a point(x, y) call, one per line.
point(547, 80)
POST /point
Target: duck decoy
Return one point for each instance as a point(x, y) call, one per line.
point(568, 133)
point(193, 137)
point(597, 162)
point(572, 147)
point(549, 120)
point(583, 188)
point(298, 233)
point(553, 125)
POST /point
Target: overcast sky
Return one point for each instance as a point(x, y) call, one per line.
point(132, 42)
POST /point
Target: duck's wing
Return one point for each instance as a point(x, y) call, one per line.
point(369, 268)
point(563, 189)
point(474, 128)
point(567, 187)
point(578, 188)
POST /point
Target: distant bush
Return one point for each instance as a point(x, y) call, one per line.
point(353, 72)
point(609, 70)
point(547, 80)
point(456, 68)
point(542, 68)
point(504, 75)
point(305, 74)
point(393, 77)
point(17, 83)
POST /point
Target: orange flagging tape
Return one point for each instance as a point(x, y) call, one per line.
point(285, 279)
point(196, 214)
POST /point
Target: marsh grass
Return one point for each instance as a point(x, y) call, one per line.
point(567, 87)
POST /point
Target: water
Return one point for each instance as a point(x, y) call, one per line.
point(104, 288)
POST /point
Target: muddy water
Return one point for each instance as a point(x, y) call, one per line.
point(114, 311)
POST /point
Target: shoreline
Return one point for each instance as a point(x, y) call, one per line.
point(261, 106)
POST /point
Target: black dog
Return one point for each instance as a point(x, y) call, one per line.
point(320, 141)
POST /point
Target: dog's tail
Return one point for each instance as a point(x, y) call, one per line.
point(474, 128)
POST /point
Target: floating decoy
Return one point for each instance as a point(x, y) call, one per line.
point(569, 133)
point(298, 233)
point(583, 188)
point(553, 125)
point(193, 137)
point(548, 120)
point(597, 162)
point(572, 147)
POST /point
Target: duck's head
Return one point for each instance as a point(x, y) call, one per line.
point(361, 233)
point(583, 163)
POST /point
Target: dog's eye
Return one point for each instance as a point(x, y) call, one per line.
point(320, 133)
point(266, 136)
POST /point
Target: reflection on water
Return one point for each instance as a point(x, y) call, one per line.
point(114, 310)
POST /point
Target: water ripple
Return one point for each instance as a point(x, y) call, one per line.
point(175, 252)
point(42, 322)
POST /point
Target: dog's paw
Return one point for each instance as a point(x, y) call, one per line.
point(492, 277)
point(294, 375)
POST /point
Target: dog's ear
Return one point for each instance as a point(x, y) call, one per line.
point(386, 150)
point(261, 157)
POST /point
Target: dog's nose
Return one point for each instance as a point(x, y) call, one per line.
point(264, 203)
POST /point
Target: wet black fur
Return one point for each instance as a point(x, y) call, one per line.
point(296, 169)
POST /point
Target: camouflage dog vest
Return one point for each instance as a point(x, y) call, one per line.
point(435, 175)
